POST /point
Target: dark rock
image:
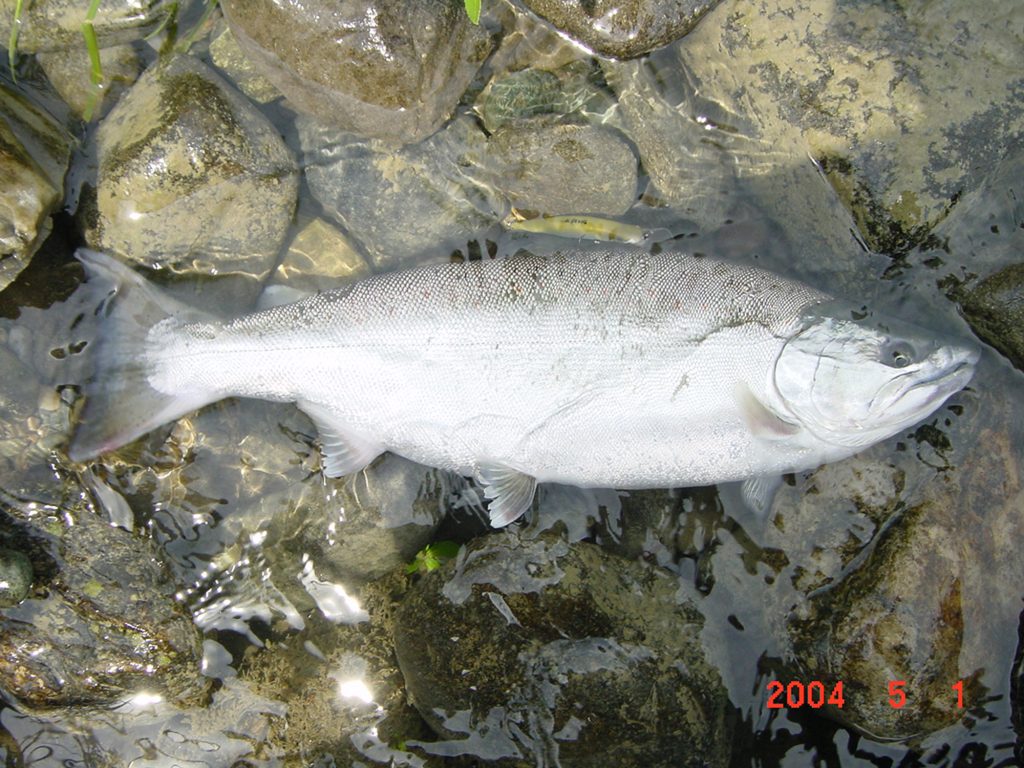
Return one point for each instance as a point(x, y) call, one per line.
point(101, 621)
point(995, 309)
point(622, 29)
point(391, 69)
point(540, 648)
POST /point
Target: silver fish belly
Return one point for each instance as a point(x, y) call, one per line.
point(604, 367)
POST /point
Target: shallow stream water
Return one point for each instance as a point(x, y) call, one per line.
point(292, 579)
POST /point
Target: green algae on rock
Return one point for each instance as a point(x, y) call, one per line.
point(191, 177)
point(598, 655)
point(101, 621)
point(995, 309)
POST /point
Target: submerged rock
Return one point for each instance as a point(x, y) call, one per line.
point(70, 73)
point(718, 163)
point(50, 25)
point(100, 622)
point(560, 169)
point(403, 204)
point(318, 258)
point(550, 652)
point(191, 177)
point(15, 577)
point(893, 572)
point(367, 524)
point(34, 154)
point(995, 310)
point(899, 130)
point(229, 57)
point(341, 687)
point(517, 96)
point(622, 29)
point(389, 69)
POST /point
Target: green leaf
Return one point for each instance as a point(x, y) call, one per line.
point(432, 556)
point(473, 10)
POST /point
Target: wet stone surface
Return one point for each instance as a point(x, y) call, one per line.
point(403, 204)
point(898, 135)
point(541, 649)
point(622, 29)
point(191, 177)
point(100, 622)
point(51, 25)
point(34, 152)
point(390, 69)
point(560, 169)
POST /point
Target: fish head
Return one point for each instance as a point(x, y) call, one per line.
point(852, 383)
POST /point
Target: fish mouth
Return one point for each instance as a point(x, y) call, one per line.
point(954, 374)
point(925, 394)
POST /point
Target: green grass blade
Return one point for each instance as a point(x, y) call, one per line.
point(473, 10)
point(95, 66)
point(12, 43)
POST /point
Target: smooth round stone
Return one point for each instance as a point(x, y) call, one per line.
point(15, 577)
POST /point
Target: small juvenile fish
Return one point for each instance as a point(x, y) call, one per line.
point(582, 227)
point(604, 367)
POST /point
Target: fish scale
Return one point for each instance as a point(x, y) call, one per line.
point(598, 367)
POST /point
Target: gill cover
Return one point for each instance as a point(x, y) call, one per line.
point(853, 383)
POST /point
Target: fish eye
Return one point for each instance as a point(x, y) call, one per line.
point(897, 354)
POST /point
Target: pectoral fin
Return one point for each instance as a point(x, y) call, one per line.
point(510, 493)
point(760, 421)
point(758, 492)
point(344, 452)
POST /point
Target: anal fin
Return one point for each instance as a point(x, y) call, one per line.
point(343, 451)
point(759, 492)
point(510, 492)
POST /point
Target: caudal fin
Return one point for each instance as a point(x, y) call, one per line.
point(121, 404)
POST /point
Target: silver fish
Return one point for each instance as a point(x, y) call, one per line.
point(605, 367)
